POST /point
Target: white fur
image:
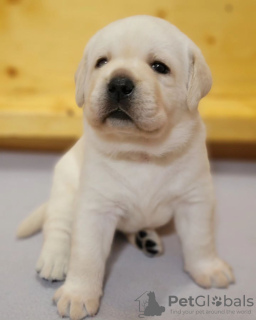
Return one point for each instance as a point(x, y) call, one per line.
point(132, 177)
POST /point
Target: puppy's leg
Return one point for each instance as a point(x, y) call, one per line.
point(92, 238)
point(54, 258)
point(194, 224)
point(148, 241)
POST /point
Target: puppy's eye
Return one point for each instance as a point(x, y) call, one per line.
point(100, 62)
point(160, 67)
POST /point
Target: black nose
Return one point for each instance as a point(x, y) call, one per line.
point(120, 88)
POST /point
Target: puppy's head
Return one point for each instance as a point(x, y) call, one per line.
point(140, 77)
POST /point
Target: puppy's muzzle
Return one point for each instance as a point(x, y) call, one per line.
point(120, 89)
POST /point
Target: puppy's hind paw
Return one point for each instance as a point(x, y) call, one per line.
point(148, 241)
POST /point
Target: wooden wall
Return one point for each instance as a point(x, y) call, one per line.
point(41, 43)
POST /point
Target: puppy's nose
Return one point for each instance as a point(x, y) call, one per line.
point(120, 88)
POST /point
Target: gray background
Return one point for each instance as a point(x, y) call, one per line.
point(25, 181)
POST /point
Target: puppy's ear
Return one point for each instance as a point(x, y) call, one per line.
point(80, 82)
point(199, 80)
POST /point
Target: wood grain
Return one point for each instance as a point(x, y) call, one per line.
point(42, 42)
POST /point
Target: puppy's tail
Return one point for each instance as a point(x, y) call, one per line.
point(33, 223)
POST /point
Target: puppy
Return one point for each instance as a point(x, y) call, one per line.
point(142, 160)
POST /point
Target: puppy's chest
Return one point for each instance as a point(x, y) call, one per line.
point(147, 195)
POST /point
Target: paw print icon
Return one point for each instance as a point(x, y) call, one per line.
point(217, 301)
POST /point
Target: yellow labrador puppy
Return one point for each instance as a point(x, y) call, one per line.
point(141, 161)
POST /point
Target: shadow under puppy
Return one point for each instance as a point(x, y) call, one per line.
point(141, 161)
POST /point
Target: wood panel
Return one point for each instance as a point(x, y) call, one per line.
point(41, 43)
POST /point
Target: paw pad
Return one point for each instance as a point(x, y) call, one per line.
point(147, 242)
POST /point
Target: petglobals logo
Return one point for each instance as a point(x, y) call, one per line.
point(148, 305)
point(207, 301)
point(206, 305)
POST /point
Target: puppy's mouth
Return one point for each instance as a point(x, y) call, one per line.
point(119, 114)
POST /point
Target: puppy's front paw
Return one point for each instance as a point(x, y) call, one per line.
point(75, 301)
point(53, 263)
point(212, 273)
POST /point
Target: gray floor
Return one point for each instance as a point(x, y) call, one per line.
point(25, 180)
